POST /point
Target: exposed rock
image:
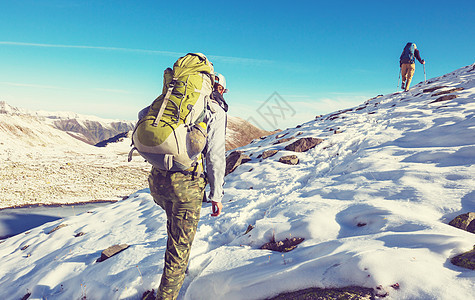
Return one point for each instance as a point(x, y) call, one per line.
point(111, 251)
point(283, 246)
point(249, 228)
point(465, 222)
point(447, 91)
point(352, 292)
point(337, 114)
point(79, 234)
point(234, 160)
point(303, 144)
point(24, 247)
point(58, 227)
point(380, 292)
point(114, 139)
point(465, 260)
point(444, 98)
point(284, 140)
point(267, 154)
point(430, 90)
point(289, 160)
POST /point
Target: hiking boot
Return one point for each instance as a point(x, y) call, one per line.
point(403, 86)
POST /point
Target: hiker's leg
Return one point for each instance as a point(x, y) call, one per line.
point(159, 185)
point(410, 73)
point(404, 72)
point(183, 216)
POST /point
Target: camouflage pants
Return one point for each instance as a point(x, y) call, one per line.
point(180, 196)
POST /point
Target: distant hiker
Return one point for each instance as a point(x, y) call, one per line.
point(407, 64)
point(187, 116)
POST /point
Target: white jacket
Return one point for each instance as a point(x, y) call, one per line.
point(215, 159)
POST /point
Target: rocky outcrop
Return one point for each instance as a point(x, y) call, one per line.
point(267, 154)
point(430, 90)
point(57, 228)
point(353, 292)
point(234, 160)
point(284, 245)
point(465, 222)
point(289, 160)
point(284, 140)
point(447, 91)
point(303, 144)
point(444, 98)
point(465, 260)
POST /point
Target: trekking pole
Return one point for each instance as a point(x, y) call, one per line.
point(424, 65)
point(399, 77)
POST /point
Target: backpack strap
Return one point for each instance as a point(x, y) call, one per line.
point(165, 102)
point(129, 159)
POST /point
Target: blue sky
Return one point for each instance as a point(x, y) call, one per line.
point(107, 58)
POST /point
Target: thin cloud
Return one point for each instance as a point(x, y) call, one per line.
point(31, 85)
point(169, 53)
point(42, 86)
point(226, 59)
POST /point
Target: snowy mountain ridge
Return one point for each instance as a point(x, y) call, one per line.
point(6, 108)
point(86, 128)
point(371, 201)
point(93, 129)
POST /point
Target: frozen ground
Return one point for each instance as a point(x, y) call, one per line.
point(17, 220)
point(372, 202)
point(41, 164)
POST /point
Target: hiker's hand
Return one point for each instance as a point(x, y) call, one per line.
point(423, 62)
point(217, 207)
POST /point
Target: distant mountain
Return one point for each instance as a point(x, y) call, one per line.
point(89, 129)
point(94, 130)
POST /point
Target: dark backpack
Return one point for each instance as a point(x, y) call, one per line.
point(407, 56)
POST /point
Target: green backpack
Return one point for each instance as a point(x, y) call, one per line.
point(172, 135)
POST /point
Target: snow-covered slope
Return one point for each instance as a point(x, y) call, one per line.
point(372, 202)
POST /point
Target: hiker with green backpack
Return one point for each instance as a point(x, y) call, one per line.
point(407, 64)
point(180, 129)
